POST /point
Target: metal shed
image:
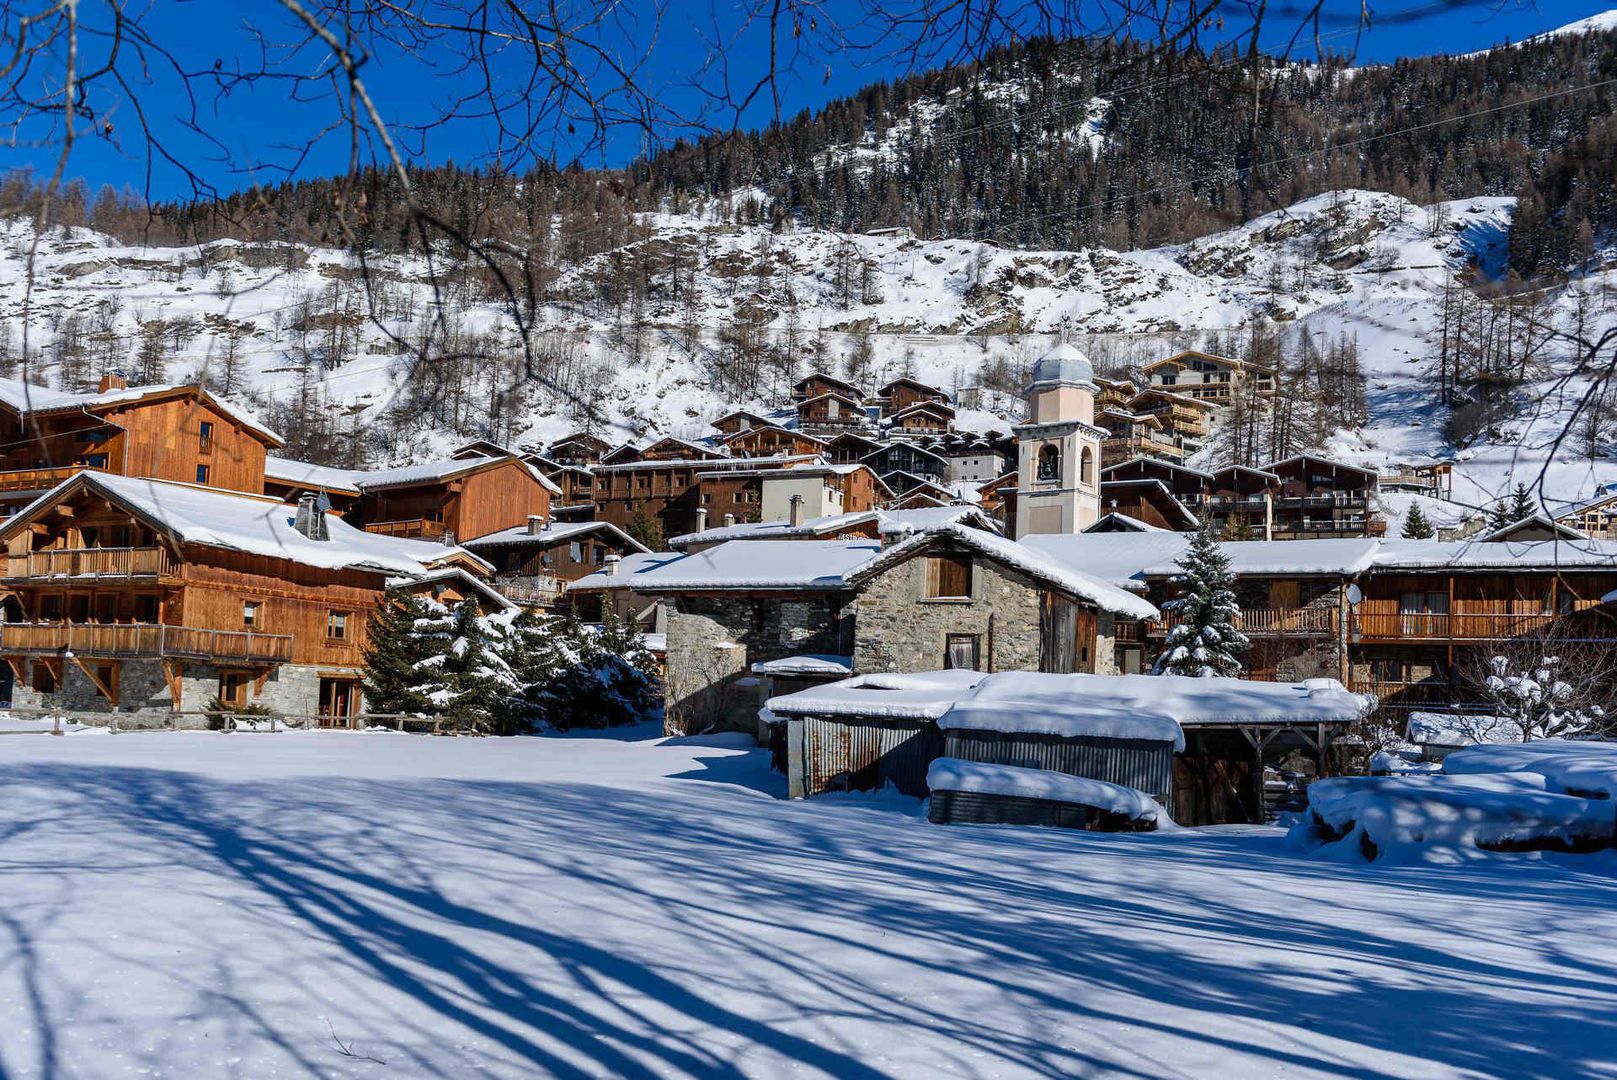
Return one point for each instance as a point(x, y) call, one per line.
point(1143, 764)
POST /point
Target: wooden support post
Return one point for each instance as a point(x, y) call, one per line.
point(95, 680)
point(173, 672)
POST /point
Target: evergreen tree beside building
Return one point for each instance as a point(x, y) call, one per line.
point(1205, 640)
point(1416, 526)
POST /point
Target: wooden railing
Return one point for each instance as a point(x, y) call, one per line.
point(36, 479)
point(1467, 625)
point(90, 563)
point(1268, 622)
point(408, 528)
point(1405, 694)
point(144, 639)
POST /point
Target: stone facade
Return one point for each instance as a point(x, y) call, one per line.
point(713, 641)
point(899, 629)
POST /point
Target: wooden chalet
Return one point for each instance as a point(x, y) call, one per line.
point(179, 433)
point(1208, 377)
point(288, 480)
point(576, 484)
point(830, 412)
point(1240, 503)
point(769, 440)
point(734, 423)
point(534, 562)
point(672, 449)
point(903, 393)
point(1189, 486)
point(1130, 435)
point(923, 418)
point(1595, 517)
point(909, 458)
point(1185, 421)
point(816, 383)
point(848, 447)
point(1148, 501)
point(1114, 393)
point(670, 494)
point(151, 598)
point(1319, 498)
point(998, 498)
point(579, 448)
point(455, 498)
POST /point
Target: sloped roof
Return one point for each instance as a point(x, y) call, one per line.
point(888, 523)
point(1116, 522)
point(25, 398)
point(430, 472)
point(626, 573)
point(307, 474)
point(1539, 521)
point(553, 533)
point(465, 580)
point(253, 524)
point(1030, 561)
point(763, 565)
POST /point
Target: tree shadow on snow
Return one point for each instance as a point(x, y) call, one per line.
point(786, 926)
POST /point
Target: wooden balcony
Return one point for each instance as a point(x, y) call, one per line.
point(409, 528)
point(1407, 695)
point(36, 479)
point(1490, 623)
point(1268, 622)
point(90, 564)
point(144, 640)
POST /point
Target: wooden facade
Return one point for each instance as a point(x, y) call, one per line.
point(769, 440)
point(475, 502)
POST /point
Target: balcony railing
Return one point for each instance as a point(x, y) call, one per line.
point(1268, 622)
point(93, 563)
point(1406, 695)
point(144, 640)
point(539, 590)
point(36, 479)
point(409, 528)
point(1468, 625)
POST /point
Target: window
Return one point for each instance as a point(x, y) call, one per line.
point(575, 551)
point(1049, 462)
point(206, 436)
point(948, 577)
point(1086, 467)
point(962, 651)
point(146, 609)
point(233, 688)
point(336, 626)
point(202, 474)
point(43, 678)
point(78, 608)
point(597, 555)
point(249, 613)
point(106, 607)
point(96, 461)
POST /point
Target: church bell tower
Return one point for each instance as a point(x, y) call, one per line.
point(1058, 449)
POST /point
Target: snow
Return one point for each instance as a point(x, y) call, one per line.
point(954, 774)
point(554, 532)
point(1116, 558)
point(1028, 560)
point(257, 525)
point(627, 573)
point(1471, 555)
point(1454, 729)
point(1448, 818)
point(923, 695)
point(808, 664)
point(762, 564)
point(208, 905)
point(1071, 706)
point(1588, 768)
point(305, 473)
point(888, 522)
point(25, 397)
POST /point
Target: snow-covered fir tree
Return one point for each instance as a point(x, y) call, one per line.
point(1416, 524)
point(1205, 640)
point(1537, 703)
point(1518, 506)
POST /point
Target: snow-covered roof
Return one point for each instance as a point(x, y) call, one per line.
point(255, 524)
point(1030, 561)
point(1116, 522)
point(957, 774)
point(770, 565)
point(1155, 463)
point(925, 695)
point(721, 464)
point(465, 580)
point(888, 522)
point(25, 397)
point(1149, 707)
point(307, 474)
point(1463, 556)
point(1116, 558)
point(1257, 558)
point(1532, 521)
point(554, 532)
point(808, 664)
point(428, 472)
point(625, 573)
point(1317, 459)
point(1453, 729)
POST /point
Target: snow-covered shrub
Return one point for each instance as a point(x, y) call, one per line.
point(1205, 641)
point(1538, 703)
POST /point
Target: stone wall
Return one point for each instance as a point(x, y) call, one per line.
point(144, 698)
point(713, 641)
point(898, 629)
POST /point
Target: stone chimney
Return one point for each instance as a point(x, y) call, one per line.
point(611, 563)
point(701, 519)
point(794, 516)
point(729, 520)
point(536, 524)
point(113, 380)
point(310, 521)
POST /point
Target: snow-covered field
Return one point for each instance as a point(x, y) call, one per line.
point(204, 905)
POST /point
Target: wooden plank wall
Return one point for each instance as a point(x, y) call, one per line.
point(163, 441)
point(498, 498)
point(295, 599)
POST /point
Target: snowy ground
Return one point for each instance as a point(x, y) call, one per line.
point(197, 904)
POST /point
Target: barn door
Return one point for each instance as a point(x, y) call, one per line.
point(1058, 634)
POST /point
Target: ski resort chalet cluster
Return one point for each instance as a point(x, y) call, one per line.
point(161, 557)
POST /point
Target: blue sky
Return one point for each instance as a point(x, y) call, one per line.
point(261, 128)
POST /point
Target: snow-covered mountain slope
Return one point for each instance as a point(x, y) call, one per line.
point(1365, 264)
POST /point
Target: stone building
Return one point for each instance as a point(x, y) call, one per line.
point(948, 597)
point(1059, 448)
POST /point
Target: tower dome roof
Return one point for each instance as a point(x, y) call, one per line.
point(1064, 364)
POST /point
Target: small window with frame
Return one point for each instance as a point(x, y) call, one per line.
point(203, 473)
point(205, 436)
point(337, 626)
point(963, 651)
point(249, 613)
point(948, 577)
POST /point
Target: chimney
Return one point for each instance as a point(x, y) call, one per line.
point(448, 538)
point(701, 519)
point(536, 524)
point(729, 520)
point(611, 563)
point(310, 521)
point(795, 514)
point(113, 380)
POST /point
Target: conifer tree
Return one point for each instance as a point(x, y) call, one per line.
point(1205, 641)
point(393, 648)
point(1416, 527)
point(1518, 506)
point(647, 530)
